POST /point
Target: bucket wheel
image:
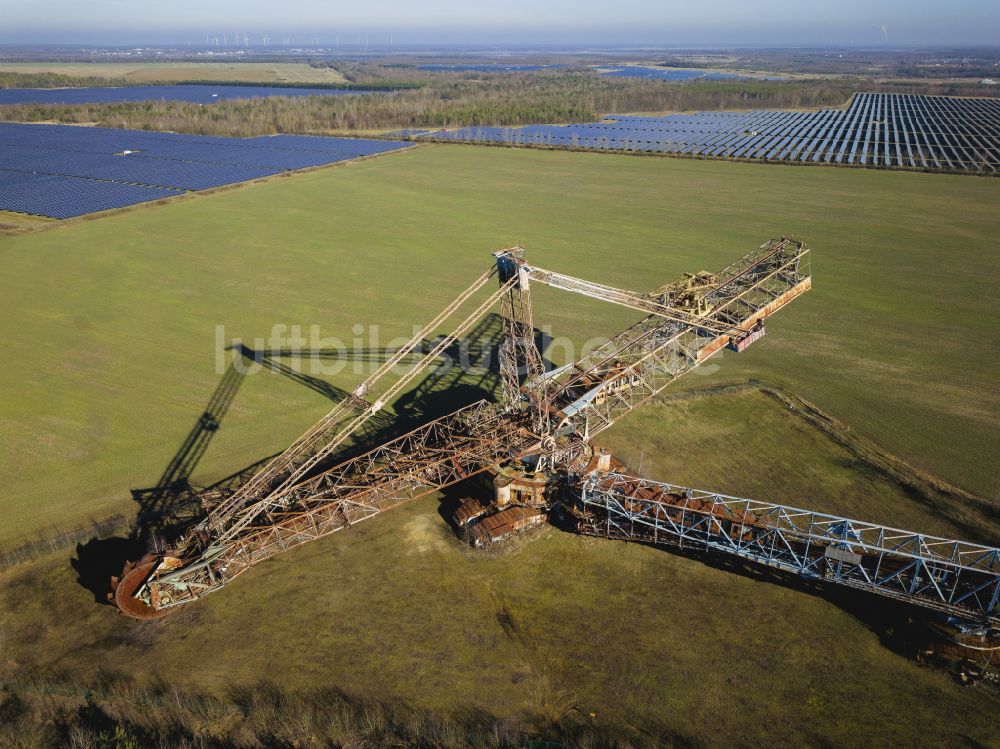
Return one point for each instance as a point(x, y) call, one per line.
point(124, 589)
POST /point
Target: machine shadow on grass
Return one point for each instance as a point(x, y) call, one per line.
point(899, 626)
point(467, 371)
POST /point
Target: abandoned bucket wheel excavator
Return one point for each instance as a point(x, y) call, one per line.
point(537, 442)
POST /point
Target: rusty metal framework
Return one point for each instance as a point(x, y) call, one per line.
point(330, 432)
point(550, 418)
point(432, 457)
point(271, 486)
point(954, 578)
point(519, 356)
point(298, 496)
point(590, 395)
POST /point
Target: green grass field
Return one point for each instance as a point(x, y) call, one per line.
point(113, 321)
point(555, 628)
point(15, 223)
point(281, 72)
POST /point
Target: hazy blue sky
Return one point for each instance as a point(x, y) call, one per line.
point(661, 22)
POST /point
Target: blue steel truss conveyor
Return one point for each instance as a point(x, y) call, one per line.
point(957, 579)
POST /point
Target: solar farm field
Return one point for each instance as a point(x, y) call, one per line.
point(199, 94)
point(614, 71)
point(485, 68)
point(876, 130)
point(62, 171)
point(661, 74)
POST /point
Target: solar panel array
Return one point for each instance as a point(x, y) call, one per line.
point(204, 94)
point(876, 130)
point(667, 74)
point(485, 68)
point(65, 197)
point(63, 171)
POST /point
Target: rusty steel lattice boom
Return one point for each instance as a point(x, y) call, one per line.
point(330, 432)
point(298, 497)
point(590, 395)
point(545, 421)
point(228, 522)
point(432, 457)
point(953, 578)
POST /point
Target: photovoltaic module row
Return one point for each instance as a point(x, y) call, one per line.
point(670, 74)
point(876, 130)
point(66, 197)
point(62, 171)
point(486, 68)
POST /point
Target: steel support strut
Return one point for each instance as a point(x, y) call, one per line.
point(519, 356)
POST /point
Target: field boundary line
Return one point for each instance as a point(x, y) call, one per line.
point(192, 194)
point(931, 490)
point(51, 540)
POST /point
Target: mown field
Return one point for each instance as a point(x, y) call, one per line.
point(113, 322)
point(271, 72)
point(657, 646)
point(13, 223)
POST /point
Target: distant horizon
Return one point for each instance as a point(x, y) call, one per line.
point(715, 23)
point(354, 40)
point(497, 47)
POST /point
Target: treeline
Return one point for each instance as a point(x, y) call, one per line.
point(366, 73)
point(493, 100)
point(948, 71)
point(115, 713)
point(378, 86)
point(55, 80)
